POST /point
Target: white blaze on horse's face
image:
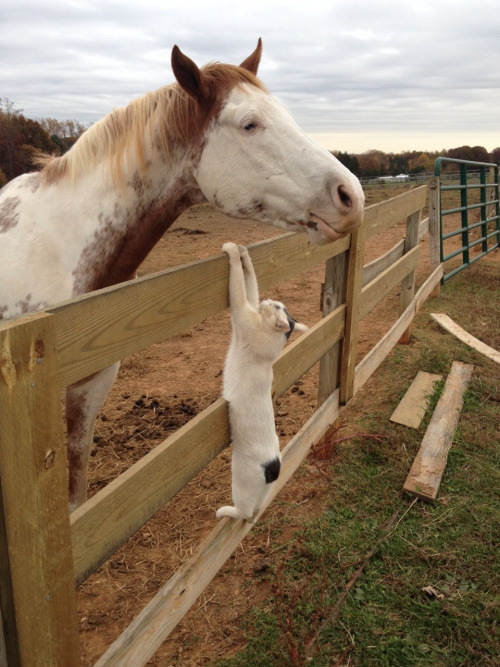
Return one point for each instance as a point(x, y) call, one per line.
point(257, 163)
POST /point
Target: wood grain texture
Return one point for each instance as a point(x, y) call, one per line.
point(427, 470)
point(408, 283)
point(333, 297)
point(452, 327)
point(413, 406)
point(33, 480)
point(379, 217)
point(435, 228)
point(352, 316)
point(379, 352)
point(385, 282)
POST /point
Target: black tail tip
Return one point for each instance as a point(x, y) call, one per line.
point(272, 470)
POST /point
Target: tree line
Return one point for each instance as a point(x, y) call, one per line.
point(22, 138)
point(376, 163)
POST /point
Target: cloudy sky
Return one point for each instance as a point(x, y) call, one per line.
point(356, 74)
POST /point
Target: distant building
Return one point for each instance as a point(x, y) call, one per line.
point(400, 178)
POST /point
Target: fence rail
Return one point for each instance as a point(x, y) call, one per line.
point(46, 552)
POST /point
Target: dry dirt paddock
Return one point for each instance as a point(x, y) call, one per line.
point(159, 390)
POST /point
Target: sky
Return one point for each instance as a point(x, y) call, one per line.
point(357, 75)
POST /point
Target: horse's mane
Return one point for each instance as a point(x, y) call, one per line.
point(169, 114)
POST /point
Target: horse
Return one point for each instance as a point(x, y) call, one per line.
point(88, 218)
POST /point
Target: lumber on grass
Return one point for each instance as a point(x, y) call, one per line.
point(452, 327)
point(413, 406)
point(428, 467)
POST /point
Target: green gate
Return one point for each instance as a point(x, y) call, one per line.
point(469, 189)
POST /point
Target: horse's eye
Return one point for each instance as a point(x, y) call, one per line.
point(249, 127)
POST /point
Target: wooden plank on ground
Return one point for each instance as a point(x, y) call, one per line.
point(412, 407)
point(427, 470)
point(452, 327)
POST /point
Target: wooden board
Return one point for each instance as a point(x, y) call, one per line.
point(412, 407)
point(34, 527)
point(354, 277)
point(427, 470)
point(452, 327)
point(379, 352)
point(386, 214)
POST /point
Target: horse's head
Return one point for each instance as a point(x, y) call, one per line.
point(255, 162)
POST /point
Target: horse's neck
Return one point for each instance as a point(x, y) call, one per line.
point(132, 219)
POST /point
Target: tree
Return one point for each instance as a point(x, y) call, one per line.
point(421, 163)
point(66, 131)
point(475, 154)
point(369, 164)
point(20, 139)
point(495, 155)
point(349, 161)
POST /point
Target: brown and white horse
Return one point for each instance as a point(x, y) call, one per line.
point(89, 218)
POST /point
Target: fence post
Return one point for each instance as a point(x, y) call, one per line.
point(333, 296)
point(37, 583)
point(435, 228)
point(408, 284)
point(354, 275)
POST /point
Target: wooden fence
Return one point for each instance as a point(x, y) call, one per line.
point(44, 552)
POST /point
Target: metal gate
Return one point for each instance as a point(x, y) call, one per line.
point(469, 189)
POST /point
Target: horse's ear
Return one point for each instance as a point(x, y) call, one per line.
point(252, 62)
point(189, 76)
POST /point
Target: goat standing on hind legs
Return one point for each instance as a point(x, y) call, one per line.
point(259, 334)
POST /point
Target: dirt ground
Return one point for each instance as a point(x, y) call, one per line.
point(160, 389)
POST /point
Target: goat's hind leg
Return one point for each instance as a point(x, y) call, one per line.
point(84, 399)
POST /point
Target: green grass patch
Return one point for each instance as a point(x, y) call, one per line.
point(430, 592)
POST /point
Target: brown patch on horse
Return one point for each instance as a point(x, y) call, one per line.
point(9, 215)
point(115, 252)
point(75, 418)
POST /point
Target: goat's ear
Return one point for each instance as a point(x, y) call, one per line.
point(189, 76)
point(299, 327)
point(252, 62)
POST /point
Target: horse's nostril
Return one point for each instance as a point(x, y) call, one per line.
point(344, 197)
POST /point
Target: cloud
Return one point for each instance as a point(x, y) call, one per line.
point(357, 67)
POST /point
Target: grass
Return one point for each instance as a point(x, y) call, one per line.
point(429, 594)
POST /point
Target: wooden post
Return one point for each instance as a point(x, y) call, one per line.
point(435, 229)
point(408, 284)
point(333, 296)
point(353, 298)
point(39, 615)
